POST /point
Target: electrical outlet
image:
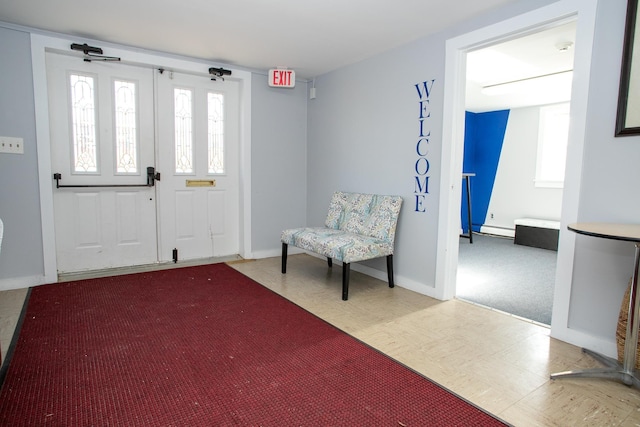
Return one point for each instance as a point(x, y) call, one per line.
point(11, 145)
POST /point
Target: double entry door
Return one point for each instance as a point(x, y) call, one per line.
point(145, 162)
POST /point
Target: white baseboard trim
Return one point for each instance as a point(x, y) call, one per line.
point(399, 280)
point(608, 347)
point(498, 231)
point(272, 253)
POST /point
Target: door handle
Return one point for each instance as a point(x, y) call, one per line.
point(152, 177)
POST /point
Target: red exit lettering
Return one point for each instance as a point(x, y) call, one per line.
point(282, 78)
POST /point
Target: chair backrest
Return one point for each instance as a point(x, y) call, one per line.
point(366, 214)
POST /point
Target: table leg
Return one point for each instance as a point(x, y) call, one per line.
point(469, 210)
point(468, 187)
point(625, 371)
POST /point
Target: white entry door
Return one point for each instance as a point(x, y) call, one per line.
point(102, 141)
point(198, 134)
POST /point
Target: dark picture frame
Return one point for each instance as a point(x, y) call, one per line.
point(628, 118)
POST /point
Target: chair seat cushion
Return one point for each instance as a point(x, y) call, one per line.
point(337, 244)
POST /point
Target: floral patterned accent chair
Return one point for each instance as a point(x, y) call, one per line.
point(358, 227)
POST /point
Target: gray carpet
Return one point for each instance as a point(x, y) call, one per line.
point(512, 278)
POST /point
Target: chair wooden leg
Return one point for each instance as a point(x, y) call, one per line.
point(390, 270)
point(345, 281)
point(284, 258)
point(330, 262)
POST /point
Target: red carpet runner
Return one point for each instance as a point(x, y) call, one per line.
point(204, 346)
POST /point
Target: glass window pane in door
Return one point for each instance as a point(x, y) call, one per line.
point(83, 117)
point(126, 127)
point(215, 103)
point(183, 138)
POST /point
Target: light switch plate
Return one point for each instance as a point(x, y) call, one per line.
point(11, 145)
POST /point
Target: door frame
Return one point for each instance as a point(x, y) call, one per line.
point(40, 44)
point(453, 145)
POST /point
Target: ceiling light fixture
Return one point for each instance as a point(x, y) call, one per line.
point(564, 46)
point(560, 78)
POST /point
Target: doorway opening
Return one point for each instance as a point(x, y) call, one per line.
point(516, 120)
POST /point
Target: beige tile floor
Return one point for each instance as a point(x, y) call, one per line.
point(11, 303)
point(498, 362)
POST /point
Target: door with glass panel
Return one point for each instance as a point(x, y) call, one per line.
point(102, 142)
point(198, 201)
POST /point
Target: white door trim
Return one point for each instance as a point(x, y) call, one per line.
point(39, 44)
point(453, 143)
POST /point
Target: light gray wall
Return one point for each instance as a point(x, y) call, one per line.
point(279, 162)
point(21, 254)
point(609, 186)
point(363, 131)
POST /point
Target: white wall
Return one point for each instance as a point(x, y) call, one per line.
point(514, 194)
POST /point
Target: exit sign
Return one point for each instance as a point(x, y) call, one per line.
point(282, 78)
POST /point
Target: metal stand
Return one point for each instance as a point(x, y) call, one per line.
point(625, 371)
point(465, 177)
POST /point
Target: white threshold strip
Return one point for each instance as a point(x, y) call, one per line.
point(524, 319)
point(166, 265)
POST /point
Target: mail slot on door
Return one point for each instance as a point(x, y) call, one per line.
point(201, 183)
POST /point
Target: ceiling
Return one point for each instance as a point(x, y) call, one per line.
point(311, 37)
point(546, 53)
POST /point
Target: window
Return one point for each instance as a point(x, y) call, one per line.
point(183, 118)
point(126, 127)
point(552, 146)
point(216, 133)
point(83, 117)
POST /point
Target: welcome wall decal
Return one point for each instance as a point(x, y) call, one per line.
point(421, 183)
